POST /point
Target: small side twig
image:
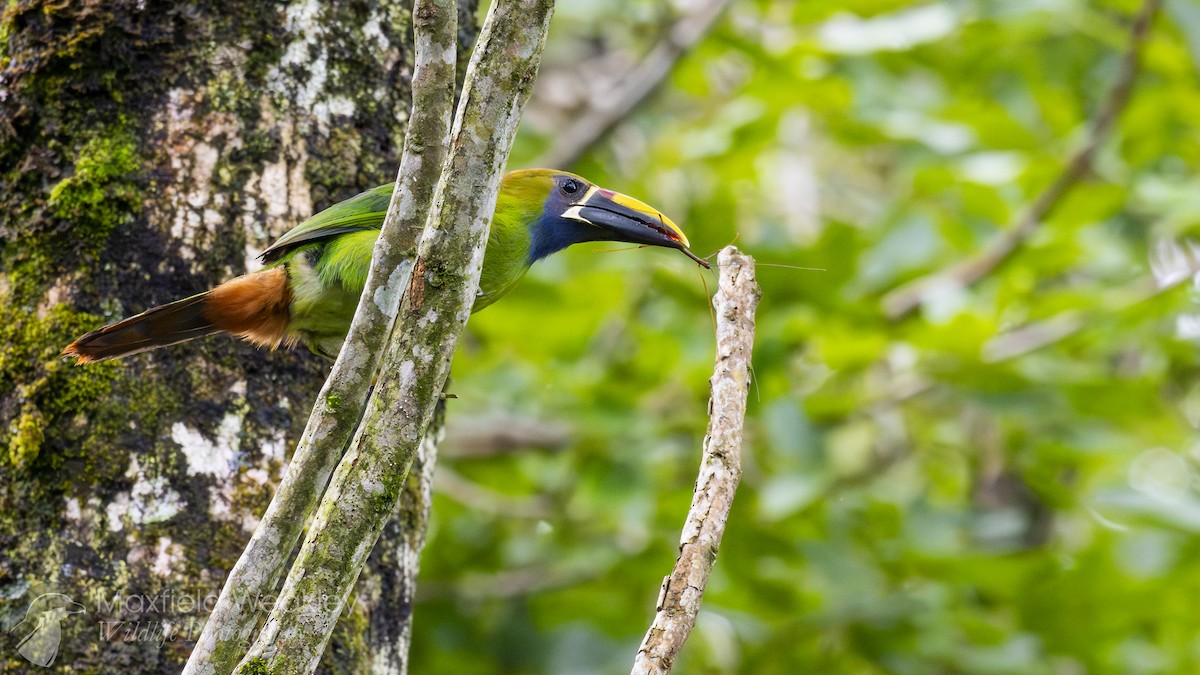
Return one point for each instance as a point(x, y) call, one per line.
point(608, 110)
point(720, 469)
point(903, 300)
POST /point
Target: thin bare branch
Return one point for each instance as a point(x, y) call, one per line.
point(494, 435)
point(903, 300)
point(610, 107)
point(720, 468)
point(367, 483)
point(339, 407)
point(1038, 335)
point(485, 500)
point(519, 583)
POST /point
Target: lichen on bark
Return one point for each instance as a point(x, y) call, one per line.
point(432, 314)
point(140, 162)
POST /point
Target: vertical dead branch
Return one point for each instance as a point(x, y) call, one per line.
point(720, 468)
point(908, 297)
point(243, 600)
point(367, 483)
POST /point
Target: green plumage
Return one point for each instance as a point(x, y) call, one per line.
point(327, 257)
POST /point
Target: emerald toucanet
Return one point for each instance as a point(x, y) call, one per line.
point(315, 273)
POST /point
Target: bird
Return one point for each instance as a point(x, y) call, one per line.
point(308, 289)
point(40, 632)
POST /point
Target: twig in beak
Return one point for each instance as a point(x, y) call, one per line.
point(699, 261)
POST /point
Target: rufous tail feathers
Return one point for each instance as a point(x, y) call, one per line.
point(253, 307)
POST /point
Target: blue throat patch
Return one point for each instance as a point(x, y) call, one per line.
point(551, 234)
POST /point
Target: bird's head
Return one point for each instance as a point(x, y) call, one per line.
point(564, 209)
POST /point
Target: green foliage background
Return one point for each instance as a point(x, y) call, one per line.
point(1030, 514)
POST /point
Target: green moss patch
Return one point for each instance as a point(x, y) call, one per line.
point(104, 190)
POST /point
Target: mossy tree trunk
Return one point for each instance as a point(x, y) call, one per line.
point(149, 150)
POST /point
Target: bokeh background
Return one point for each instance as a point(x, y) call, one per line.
point(1001, 481)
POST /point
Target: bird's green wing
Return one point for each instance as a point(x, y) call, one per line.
point(363, 212)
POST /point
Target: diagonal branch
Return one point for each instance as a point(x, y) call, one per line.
point(1039, 335)
point(367, 484)
point(406, 531)
point(241, 605)
point(609, 108)
point(720, 469)
point(903, 300)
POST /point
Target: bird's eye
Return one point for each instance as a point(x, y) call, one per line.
point(571, 186)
